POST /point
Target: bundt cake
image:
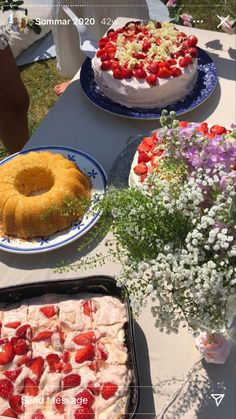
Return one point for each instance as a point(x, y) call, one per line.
point(41, 193)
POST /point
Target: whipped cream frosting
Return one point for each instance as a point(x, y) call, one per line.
point(137, 93)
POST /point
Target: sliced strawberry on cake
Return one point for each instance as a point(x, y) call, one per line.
point(12, 319)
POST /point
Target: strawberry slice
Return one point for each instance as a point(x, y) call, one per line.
point(85, 354)
point(146, 46)
point(101, 353)
point(67, 368)
point(16, 403)
point(38, 415)
point(87, 308)
point(164, 64)
point(62, 336)
point(9, 413)
point(21, 347)
point(45, 335)
point(145, 148)
point(152, 79)
point(93, 366)
point(13, 325)
point(176, 72)
point(149, 141)
point(4, 340)
point(108, 390)
point(6, 388)
point(139, 55)
point(12, 374)
point(59, 405)
point(117, 74)
point(172, 61)
point(127, 73)
point(85, 338)
point(153, 68)
point(143, 158)
point(37, 367)
point(48, 311)
point(84, 413)
point(217, 130)
point(71, 380)
point(66, 356)
point(183, 124)
point(184, 62)
point(30, 387)
point(164, 73)
point(140, 73)
point(6, 354)
point(141, 169)
point(192, 41)
point(24, 331)
point(203, 128)
point(53, 361)
point(85, 394)
point(106, 65)
point(23, 360)
point(193, 52)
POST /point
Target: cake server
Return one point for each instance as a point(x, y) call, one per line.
point(87, 44)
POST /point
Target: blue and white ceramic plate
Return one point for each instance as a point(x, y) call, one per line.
point(99, 183)
point(204, 86)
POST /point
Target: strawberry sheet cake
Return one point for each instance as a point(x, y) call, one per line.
point(146, 65)
point(64, 358)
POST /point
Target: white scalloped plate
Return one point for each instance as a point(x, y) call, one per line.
point(45, 244)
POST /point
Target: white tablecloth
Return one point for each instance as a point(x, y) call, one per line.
point(164, 360)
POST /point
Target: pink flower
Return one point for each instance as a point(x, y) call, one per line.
point(214, 347)
point(171, 3)
point(187, 19)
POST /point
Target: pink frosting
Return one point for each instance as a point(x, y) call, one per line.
point(214, 347)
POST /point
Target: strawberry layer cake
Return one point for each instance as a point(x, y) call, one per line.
point(146, 65)
point(151, 151)
point(64, 358)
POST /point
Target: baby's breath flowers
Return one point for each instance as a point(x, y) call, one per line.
point(175, 234)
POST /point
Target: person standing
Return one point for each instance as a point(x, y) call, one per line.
point(14, 100)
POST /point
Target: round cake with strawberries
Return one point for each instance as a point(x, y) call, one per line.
point(216, 144)
point(146, 65)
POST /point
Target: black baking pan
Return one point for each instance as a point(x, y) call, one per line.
point(92, 284)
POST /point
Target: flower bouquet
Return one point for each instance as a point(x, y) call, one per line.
point(174, 234)
point(18, 20)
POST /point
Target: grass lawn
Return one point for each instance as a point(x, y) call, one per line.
point(39, 78)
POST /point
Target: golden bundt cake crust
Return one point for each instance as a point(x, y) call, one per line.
point(41, 193)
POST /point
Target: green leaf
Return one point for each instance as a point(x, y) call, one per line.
point(36, 28)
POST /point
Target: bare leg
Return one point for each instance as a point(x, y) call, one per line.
point(14, 104)
point(60, 88)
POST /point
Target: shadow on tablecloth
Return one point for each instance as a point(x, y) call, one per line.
point(195, 401)
point(146, 408)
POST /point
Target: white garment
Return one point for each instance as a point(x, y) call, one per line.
point(3, 38)
point(69, 56)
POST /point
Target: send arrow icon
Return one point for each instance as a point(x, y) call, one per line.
point(218, 398)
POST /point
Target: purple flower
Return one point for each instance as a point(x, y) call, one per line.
point(171, 3)
point(187, 133)
point(187, 19)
